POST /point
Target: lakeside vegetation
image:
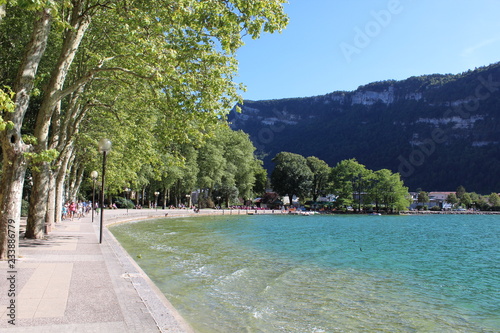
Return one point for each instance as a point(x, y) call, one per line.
point(461, 199)
point(352, 184)
point(393, 125)
point(154, 77)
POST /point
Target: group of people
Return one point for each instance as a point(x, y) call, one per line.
point(76, 209)
point(180, 206)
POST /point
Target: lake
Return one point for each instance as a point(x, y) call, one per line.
point(324, 273)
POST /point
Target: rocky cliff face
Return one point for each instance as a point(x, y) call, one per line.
point(438, 131)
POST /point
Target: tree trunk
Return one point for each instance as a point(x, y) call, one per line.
point(59, 189)
point(59, 185)
point(73, 181)
point(79, 180)
point(38, 203)
point(165, 193)
point(14, 163)
point(68, 181)
point(51, 200)
point(51, 102)
point(143, 193)
point(12, 181)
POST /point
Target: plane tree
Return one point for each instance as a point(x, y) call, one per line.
point(321, 171)
point(388, 190)
point(182, 50)
point(291, 175)
point(347, 178)
point(494, 200)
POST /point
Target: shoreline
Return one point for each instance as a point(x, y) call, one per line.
point(164, 309)
point(230, 273)
point(166, 316)
point(430, 212)
point(68, 281)
point(161, 309)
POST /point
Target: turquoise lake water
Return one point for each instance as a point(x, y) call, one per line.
point(266, 273)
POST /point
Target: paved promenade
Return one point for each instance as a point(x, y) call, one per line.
point(68, 282)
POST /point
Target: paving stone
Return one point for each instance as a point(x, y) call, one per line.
point(68, 282)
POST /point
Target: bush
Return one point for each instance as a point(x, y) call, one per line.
point(436, 208)
point(124, 203)
point(368, 207)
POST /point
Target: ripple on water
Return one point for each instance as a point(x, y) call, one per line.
point(264, 274)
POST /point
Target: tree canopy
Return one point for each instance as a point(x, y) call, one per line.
point(150, 76)
point(321, 172)
point(352, 184)
point(291, 175)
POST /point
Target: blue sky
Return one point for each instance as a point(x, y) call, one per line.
point(332, 45)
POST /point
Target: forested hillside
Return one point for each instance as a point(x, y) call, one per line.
point(438, 131)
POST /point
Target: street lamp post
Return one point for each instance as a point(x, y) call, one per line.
point(94, 176)
point(127, 197)
point(156, 199)
point(104, 148)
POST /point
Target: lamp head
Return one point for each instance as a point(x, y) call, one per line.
point(104, 145)
point(94, 175)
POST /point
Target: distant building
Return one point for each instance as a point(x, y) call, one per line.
point(439, 199)
point(435, 199)
point(270, 200)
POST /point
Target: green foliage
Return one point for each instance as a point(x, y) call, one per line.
point(6, 100)
point(6, 105)
point(460, 192)
point(261, 182)
point(452, 199)
point(29, 139)
point(423, 197)
point(334, 128)
point(347, 178)
point(291, 175)
point(151, 76)
point(124, 203)
point(45, 156)
point(321, 172)
point(466, 200)
point(387, 189)
point(494, 200)
point(226, 164)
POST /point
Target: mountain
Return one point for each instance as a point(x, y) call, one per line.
point(438, 131)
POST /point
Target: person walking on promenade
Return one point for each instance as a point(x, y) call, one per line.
point(72, 210)
point(65, 211)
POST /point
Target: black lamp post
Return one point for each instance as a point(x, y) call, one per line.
point(94, 176)
point(104, 148)
point(127, 197)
